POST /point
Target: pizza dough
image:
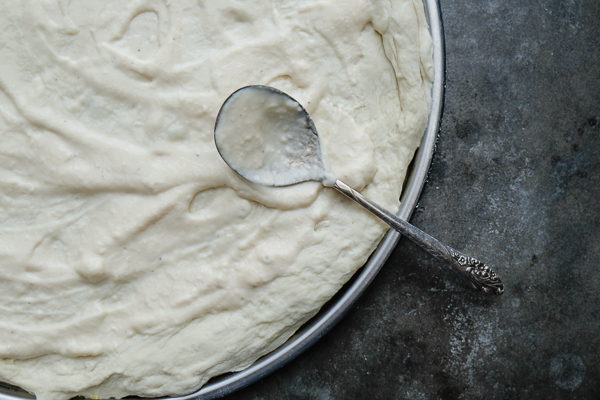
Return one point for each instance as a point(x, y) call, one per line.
point(132, 259)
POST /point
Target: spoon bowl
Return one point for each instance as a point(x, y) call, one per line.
point(269, 138)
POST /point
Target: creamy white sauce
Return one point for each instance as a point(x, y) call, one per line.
point(132, 259)
point(268, 138)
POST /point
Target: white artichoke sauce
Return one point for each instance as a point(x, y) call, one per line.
point(133, 260)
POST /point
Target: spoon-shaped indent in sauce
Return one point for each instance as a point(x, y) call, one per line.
point(268, 138)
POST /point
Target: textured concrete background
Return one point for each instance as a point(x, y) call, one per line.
point(515, 182)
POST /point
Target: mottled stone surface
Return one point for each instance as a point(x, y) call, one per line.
point(515, 182)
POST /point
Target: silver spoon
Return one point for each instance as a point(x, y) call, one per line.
point(268, 138)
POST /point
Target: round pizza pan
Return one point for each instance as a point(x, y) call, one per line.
point(335, 309)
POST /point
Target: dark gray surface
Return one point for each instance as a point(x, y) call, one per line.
point(515, 181)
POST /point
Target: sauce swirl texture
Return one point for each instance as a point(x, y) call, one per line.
point(132, 259)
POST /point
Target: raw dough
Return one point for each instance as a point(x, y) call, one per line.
point(132, 259)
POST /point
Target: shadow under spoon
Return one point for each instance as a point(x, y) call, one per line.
point(268, 138)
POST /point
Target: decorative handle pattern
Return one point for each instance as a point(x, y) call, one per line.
point(480, 276)
point(475, 273)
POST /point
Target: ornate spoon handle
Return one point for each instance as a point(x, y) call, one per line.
point(478, 275)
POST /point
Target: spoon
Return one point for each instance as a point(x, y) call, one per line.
point(268, 138)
